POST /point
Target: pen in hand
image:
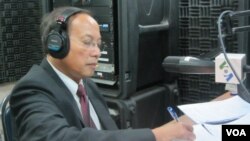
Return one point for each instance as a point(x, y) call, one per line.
point(175, 117)
point(173, 113)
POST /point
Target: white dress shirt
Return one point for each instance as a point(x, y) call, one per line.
point(73, 86)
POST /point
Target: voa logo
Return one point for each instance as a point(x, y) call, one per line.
point(228, 75)
point(236, 132)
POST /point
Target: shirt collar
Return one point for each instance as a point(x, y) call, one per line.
point(71, 85)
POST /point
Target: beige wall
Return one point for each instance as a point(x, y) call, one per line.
point(5, 89)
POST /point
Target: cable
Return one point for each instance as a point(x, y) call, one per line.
point(245, 95)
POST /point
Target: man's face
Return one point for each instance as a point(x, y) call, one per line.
point(85, 39)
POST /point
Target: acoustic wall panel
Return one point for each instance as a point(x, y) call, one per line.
point(20, 45)
point(198, 34)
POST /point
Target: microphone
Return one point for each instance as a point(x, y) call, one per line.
point(188, 65)
point(220, 67)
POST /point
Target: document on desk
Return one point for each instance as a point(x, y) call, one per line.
point(203, 135)
point(214, 133)
point(216, 112)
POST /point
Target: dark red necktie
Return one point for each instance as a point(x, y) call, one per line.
point(85, 106)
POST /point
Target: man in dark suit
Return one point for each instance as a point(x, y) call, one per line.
point(44, 103)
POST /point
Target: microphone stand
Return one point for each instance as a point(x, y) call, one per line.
point(228, 15)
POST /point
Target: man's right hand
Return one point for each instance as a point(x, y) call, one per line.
point(174, 131)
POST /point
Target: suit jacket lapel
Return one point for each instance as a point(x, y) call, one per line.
point(104, 117)
point(62, 88)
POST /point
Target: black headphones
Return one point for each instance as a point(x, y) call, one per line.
point(57, 40)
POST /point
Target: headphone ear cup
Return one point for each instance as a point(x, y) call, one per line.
point(58, 44)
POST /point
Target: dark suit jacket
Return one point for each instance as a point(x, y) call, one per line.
point(44, 110)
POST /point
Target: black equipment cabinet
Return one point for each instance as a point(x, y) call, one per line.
point(136, 39)
point(146, 109)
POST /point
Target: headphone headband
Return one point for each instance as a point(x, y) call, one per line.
point(63, 19)
point(57, 40)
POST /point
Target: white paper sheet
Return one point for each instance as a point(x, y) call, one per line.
point(215, 130)
point(217, 112)
point(202, 134)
